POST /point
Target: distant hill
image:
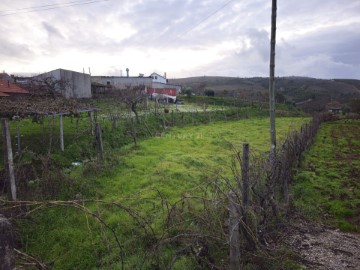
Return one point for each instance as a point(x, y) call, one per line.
point(307, 93)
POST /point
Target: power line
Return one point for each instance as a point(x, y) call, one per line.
point(35, 7)
point(48, 7)
point(206, 18)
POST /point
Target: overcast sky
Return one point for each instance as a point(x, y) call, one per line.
point(315, 38)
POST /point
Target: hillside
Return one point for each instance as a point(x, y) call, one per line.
point(309, 94)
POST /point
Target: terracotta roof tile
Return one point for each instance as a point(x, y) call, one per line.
point(9, 87)
point(3, 94)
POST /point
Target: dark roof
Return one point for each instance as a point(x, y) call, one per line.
point(334, 105)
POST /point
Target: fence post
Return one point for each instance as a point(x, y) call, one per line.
point(91, 123)
point(99, 142)
point(7, 256)
point(245, 173)
point(234, 234)
point(61, 133)
point(8, 160)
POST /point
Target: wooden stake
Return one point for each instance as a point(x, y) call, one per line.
point(7, 243)
point(91, 123)
point(245, 173)
point(234, 235)
point(8, 160)
point(61, 134)
point(99, 142)
point(18, 139)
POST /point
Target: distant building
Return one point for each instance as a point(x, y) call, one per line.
point(155, 85)
point(334, 107)
point(73, 84)
point(119, 82)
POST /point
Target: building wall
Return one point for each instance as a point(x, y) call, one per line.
point(122, 82)
point(156, 78)
point(77, 85)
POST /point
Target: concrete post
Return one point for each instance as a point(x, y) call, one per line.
point(8, 160)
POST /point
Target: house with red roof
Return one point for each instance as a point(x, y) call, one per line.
point(10, 89)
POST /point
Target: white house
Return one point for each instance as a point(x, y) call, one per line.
point(156, 78)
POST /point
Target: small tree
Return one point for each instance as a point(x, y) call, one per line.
point(355, 106)
point(132, 96)
point(209, 92)
point(201, 87)
point(188, 91)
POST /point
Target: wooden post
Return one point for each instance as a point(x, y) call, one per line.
point(8, 160)
point(99, 142)
point(7, 256)
point(284, 171)
point(51, 127)
point(18, 139)
point(234, 234)
point(61, 133)
point(91, 123)
point(164, 122)
point(272, 84)
point(245, 174)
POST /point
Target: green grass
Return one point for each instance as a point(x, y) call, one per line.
point(181, 162)
point(327, 186)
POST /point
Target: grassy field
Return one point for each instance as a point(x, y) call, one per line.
point(181, 162)
point(327, 187)
point(79, 142)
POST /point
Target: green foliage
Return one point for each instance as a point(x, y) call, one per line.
point(325, 187)
point(179, 162)
point(355, 105)
point(209, 92)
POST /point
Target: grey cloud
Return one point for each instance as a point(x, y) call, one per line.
point(332, 52)
point(13, 50)
point(185, 25)
point(52, 30)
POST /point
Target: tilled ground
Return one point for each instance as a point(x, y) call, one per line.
point(321, 247)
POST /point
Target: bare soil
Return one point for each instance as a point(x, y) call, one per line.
point(320, 247)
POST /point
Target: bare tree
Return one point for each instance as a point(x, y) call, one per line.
point(47, 86)
point(132, 96)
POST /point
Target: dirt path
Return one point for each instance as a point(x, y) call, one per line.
point(321, 247)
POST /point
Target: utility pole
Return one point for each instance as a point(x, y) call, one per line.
point(272, 83)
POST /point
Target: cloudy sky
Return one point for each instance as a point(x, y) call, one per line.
point(316, 38)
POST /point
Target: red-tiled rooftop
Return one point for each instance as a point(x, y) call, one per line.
point(7, 87)
point(3, 94)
